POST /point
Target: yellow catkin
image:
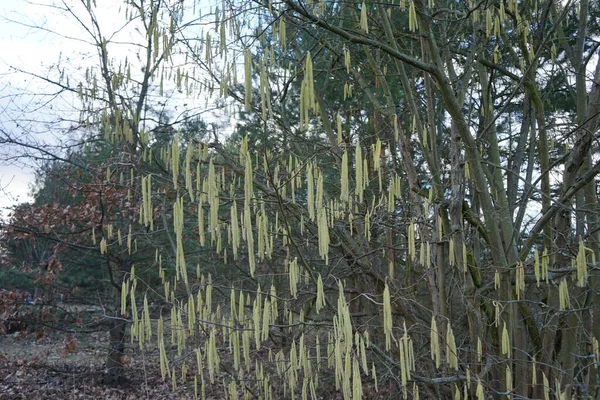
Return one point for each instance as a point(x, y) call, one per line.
point(545, 264)
point(582, 269)
point(546, 386)
point(363, 354)
point(178, 222)
point(308, 76)
point(497, 55)
point(509, 381)
point(374, 375)
point(357, 390)
point(266, 321)
point(320, 299)
point(180, 333)
point(274, 303)
point(563, 295)
point(480, 394)
point(175, 161)
point(201, 231)
point(237, 354)
point(241, 309)
point(129, 239)
point(340, 137)
point(347, 60)
point(451, 353)
point(188, 171)
point(506, 346)
point(412, 252)
point(468, 378)
point(124, 291)
point(282, 34)
point(465, 261)
point(377, 163)
point(232, 389)
point(428, 255)
point(344, 191)
point(365, 179)
point(322, 225)
point(293, 365)
point(265, 94)
point(147, 322)
point(323, 231)
point(232, 306)
point(347, 374)
point(191, 313)
point(249, 237)
point(208, 298)
point(496, 280)
point(147, 199)
point(536, 267)
point(519, 280)
point(456, 395)
point(364, 22)
point(391, 197)
point(497, 312)
point(406, 360)
point(235, 230)
point(164, 362)
point(103, 246)
point(257, 322)
point(212, 357)
point(413, 24)
point(293, 277)
point(213, 199)
point(451, 252)
point(497, 27)
point(310, 192)
point(359, 176)
point(387, 317)
point(134, 314)
point(307, 93)
point(435, 343)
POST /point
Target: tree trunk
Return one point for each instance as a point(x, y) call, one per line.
point(115, 370)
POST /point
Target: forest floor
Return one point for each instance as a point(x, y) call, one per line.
point(63, 367)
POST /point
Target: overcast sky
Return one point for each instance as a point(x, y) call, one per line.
point(30, 49)
point(35, 38)
point(28, 108)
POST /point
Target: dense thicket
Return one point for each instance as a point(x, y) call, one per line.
point(407, 202)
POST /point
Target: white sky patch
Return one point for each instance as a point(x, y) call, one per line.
point(42, 38)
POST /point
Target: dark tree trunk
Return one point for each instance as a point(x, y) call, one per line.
point(115, 369)
point(115, 374)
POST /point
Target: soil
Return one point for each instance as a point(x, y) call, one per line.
point(55, 367)
point(64, 367)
